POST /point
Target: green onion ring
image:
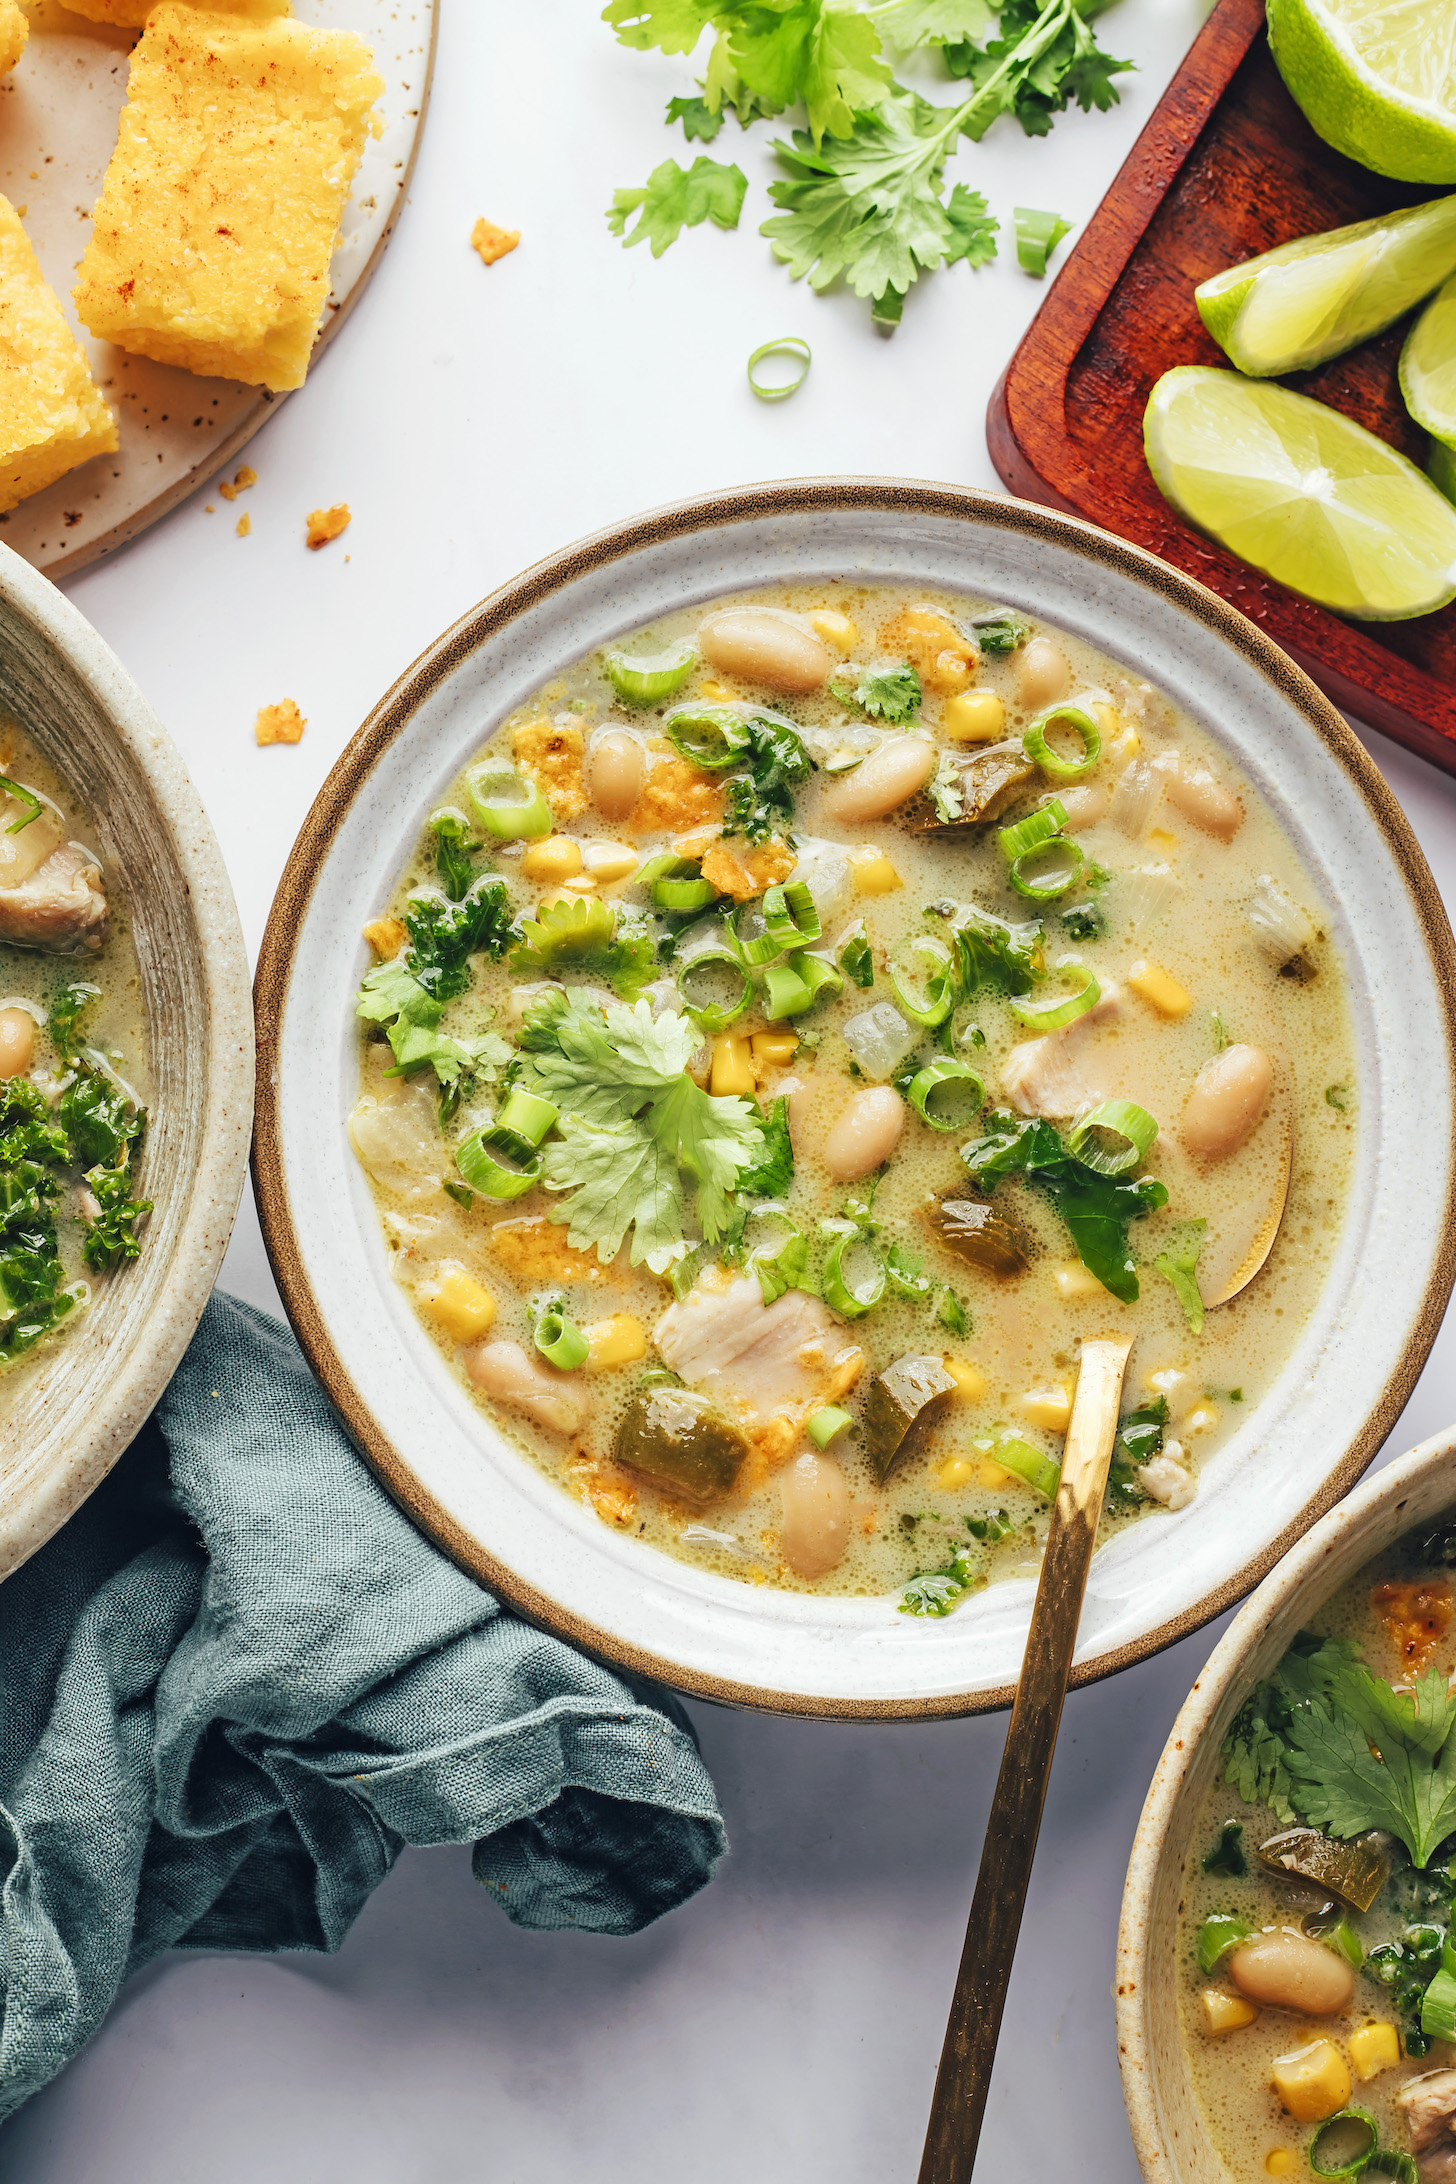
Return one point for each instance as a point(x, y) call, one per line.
point(714, 1016)
point(711, 736)
point(944, 1071)
point(1052, 763)
point(22, 796)
point(527, 1115)
point(817, 973)
point(784, 992)
point(498, 1164)
point(1119, 1120)
point(789, 915)
point(683, 894)
point(1363, 2117)
point(647, 678)
point(1034, 832)
point(664, 865)
point(840, 1294)
point(1031, 1465)
point(760, 949)
point(827, 1424)
point(1047, 889)
point(1389, 2161)
point(560, 1341)
point(508, 805)
point(1052, 1014)
point(788, 345)
point(939, 984)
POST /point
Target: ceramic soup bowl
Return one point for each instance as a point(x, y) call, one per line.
point(69, 1421)
point(488, 1504)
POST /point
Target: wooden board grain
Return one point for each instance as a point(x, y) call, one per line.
point(1226, 167)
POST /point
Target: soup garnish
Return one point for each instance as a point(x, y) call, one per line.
point(804, 1023)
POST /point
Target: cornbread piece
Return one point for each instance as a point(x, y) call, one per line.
point(281, 723)
point(131, 14)
point(245, 477)
point(14, 30)
point(491, 241)
point(244, 525)
point(220, 208)
point(552, 751)
point(51, 415)
point(327, 523)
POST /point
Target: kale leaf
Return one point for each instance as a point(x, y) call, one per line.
point(99, 1119)
point(444, 935)
point(1179, 1265)
point(111, 1236)
point(1096, 1208)
point(68, 1004)
point(1139, 1439)
point(760, 800)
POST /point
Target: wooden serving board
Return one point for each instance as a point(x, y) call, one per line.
point(1227, 167)
point(58, 120)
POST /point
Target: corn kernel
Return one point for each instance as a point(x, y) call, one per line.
point(1201, 1419)
point(835, 628)
point(459, 1305)
point(1372, 2049)
point(609, 861)
point(386, 936)
point(1162, 840)
point(1167, 1381)
point(875, 875)
point(976, 716)
point(1283, 2161)
point(1160, 990)
point(1312, 2082)
point(1049, 1407)
point(557, 858)
point(970, 1381)
point(956, 1472)
point(775, 1047)
point(1120, 740)
point(732, 1067)
point(1224, 2012)
point(620, 1340)
point(1074, 1280)
point(717, 691)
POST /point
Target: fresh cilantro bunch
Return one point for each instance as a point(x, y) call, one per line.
point(1045, 60)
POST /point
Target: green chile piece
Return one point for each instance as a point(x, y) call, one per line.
point(1355, 1871)
point(988, 779)
point(977, 1231)
point(904, 1401)
point(676, 1440)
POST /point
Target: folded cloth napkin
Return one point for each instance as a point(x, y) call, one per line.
point(227, 1701)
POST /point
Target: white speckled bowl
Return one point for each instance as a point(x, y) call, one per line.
point(101, 1378)
point(493, 1509)
point(1168, 2130)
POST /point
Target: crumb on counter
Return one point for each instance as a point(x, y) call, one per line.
point(327, 523)
point(244, 525)
point(491, 241)
point(245, 477)
point(281, 723)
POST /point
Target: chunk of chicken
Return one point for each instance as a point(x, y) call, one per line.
point(60, 908)
point(1045, 1076)
point(556, 1400)
point(1428, 2105)
point(765, 1364)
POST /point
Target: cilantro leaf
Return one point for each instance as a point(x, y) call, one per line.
point(910, 23)
point(973, 232)
point(1255, 1751)
point(1045, 59)
point(891, 694)
point(1179, 1264)
point(673, 199)
point(671, 26)
point(773, 1172)
point(583, 939)
point(697, 117)
point(1341, 1785)
point(1096, 1208)
point(759, 803)
point(866, 210)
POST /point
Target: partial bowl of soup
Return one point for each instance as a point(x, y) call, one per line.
point(125, 1060)
point(1287, 1957)
point(760, 994)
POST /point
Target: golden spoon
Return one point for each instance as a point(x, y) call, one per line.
point(1262, 1241)
point(964, 2077)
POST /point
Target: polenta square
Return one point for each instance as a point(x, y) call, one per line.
point(52, 415)
point(221, 206)
point(131, 14)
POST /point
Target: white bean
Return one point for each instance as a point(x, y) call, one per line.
point(765, 646)
point(887, 779)
point(556, 1400)
point(1042, 673)
point(815, 1529)
point(1203, 800)
point(1228, 1097)
point(864, 1133)
point(17, 1041)
point(618, 771)
point(1084, 807)
point(1288, 1971)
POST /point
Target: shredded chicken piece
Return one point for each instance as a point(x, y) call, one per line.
point(1041, 1077)
point(1168, 1481)
point(552, 753)
point(61, 908)
point(1417, 1615)
point(745, 873)
point(1428, 2105)
point(769, 1365)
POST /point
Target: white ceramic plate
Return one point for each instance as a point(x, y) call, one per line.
point(490, 1506)
point(58, 119)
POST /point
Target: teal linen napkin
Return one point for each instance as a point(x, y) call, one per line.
point(228, 1698)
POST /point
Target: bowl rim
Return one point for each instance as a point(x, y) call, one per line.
point(1226, 1666)
point(390, 717)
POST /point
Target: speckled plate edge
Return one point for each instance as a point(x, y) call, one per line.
point(744, 504)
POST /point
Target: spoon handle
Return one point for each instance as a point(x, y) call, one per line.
point(966, 2060)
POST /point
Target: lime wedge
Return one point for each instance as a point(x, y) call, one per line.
point(1376, 78)
point(1313, 500)
point(1315, 297)
point(1428, 366)
point(1441, 469)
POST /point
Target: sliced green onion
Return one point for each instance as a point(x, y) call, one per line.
point(1438, 2010)
point(789, 915)
point(1113, 1137)
point(1359, 2118)
point(508, 805)
point(648, 678)
point(818, 974)
point(560, 1341)
point(842, 1293)
point(1054, 1013)
point(664, 864)
point(1034, 832)
point(1041, 881)
point(856, 958)
point(22, 796)
point(498, 1164)
point(711, 736)
point(1037, 236)
point(1390, 2161)
point(780, 1262)
point(526, 1114)
point(922, 974)
point(827, 1424)
point(952, 1111)
point(1342, 1936)
point(1051, 762)
point(1031, 1465)
point(780, 390)
point(785, 993)
point(755, 947)
point(726, 972)
point(683, 894)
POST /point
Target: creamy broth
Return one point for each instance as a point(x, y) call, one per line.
point(1398, 1614)
point(1171, 849)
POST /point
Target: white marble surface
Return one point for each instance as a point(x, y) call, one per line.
point(786, 2023)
